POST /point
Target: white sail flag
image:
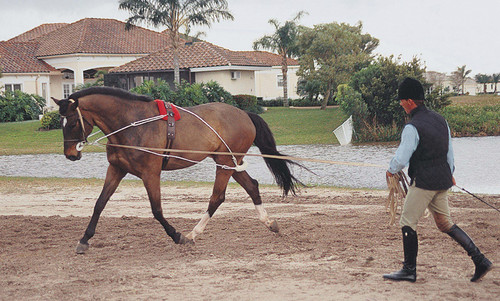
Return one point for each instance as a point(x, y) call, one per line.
point(344, 132)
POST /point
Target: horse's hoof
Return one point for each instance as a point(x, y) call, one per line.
point(183, 240)
point(81, 248)
point(274, 227)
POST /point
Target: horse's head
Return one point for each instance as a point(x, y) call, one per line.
point(74, 126)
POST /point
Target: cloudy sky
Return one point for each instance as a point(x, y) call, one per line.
point(445, 34)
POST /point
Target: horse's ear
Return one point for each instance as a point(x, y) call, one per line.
point(73, 103)
point(56, 100)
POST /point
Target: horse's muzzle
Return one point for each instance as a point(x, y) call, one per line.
point(75, 158)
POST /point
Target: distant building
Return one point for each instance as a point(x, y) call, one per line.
point(52, 59)
point(239, 72)
point(449, 84)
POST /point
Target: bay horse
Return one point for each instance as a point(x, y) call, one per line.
point(112, 110)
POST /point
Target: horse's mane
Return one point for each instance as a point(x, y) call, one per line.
point(110, 91)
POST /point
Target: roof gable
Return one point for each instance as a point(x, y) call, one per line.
point(37, 32)
point(100, 36)
point(198, 55)
point(19, 57)
point(269, 58)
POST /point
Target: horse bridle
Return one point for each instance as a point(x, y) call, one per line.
point(83, 141)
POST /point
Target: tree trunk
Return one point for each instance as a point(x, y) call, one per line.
point(326, 97)
point(284, 72)
point(175, 48)
point(177, 75)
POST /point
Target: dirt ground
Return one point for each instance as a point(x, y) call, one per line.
point(334, 244)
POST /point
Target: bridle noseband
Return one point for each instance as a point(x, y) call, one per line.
point(79, 146)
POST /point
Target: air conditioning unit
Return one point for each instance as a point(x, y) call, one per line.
point(235, 74)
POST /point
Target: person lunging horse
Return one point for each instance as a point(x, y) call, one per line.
point(213, 127)
point(426, 146)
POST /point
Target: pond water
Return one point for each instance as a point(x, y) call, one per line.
point(476, 160)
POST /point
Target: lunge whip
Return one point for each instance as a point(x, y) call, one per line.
point(478, 198)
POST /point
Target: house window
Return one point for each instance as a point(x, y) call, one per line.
point(235, 74)
point(44, 91)
point(12, 87)
point(67, 90)
point(279, 79)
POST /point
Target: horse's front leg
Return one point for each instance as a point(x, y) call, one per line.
point(113, 177)
point(152, 184)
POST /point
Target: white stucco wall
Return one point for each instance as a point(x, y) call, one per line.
point(261, 82)
point(30, 83)
point(243, 85)
point(267, 83)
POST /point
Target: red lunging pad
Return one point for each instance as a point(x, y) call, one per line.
point(163, 110)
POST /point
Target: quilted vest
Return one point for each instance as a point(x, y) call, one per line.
point(429, 168)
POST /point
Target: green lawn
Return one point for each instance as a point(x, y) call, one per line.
point(294, 126)
point(483, 100)
point(289, 125)
point(25, 138)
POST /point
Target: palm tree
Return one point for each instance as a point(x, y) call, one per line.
point(461, 75)
point(482, 79)
point(175, 14)
point(495, 78)
point(282, 41)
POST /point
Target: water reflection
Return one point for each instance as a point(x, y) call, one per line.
point(476, 160)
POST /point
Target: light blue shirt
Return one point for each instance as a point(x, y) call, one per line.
point(408, 145)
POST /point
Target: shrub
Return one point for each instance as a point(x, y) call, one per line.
point(216, 93)
point(473, 120)
point(20, 106)
point(247, 103)
point(301, 102)
point(157, 90)
point(51, 120)
point(270, 103)
point(187, 94)
point(373, 131)
point(378, 85)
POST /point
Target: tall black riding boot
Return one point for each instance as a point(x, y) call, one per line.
point(483, 265)
point(410, 247)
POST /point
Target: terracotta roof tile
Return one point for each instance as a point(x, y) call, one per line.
point(269, 58)
point(37, 32)
point(19, 57)
point(200, 54)
point(100, 36)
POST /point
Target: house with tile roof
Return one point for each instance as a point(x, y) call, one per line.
point(51, 59)
point(239, 72)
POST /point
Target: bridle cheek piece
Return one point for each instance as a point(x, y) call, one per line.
point(79, 146)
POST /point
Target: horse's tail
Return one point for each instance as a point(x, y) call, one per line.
point(264, 140)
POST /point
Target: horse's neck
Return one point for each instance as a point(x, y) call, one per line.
point(110, 114)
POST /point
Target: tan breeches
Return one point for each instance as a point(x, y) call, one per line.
point(418, 199)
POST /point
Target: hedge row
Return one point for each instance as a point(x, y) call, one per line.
point(20, 106)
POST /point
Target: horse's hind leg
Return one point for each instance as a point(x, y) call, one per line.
point(251, 186)
point(217, 198)
point(113, 177)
